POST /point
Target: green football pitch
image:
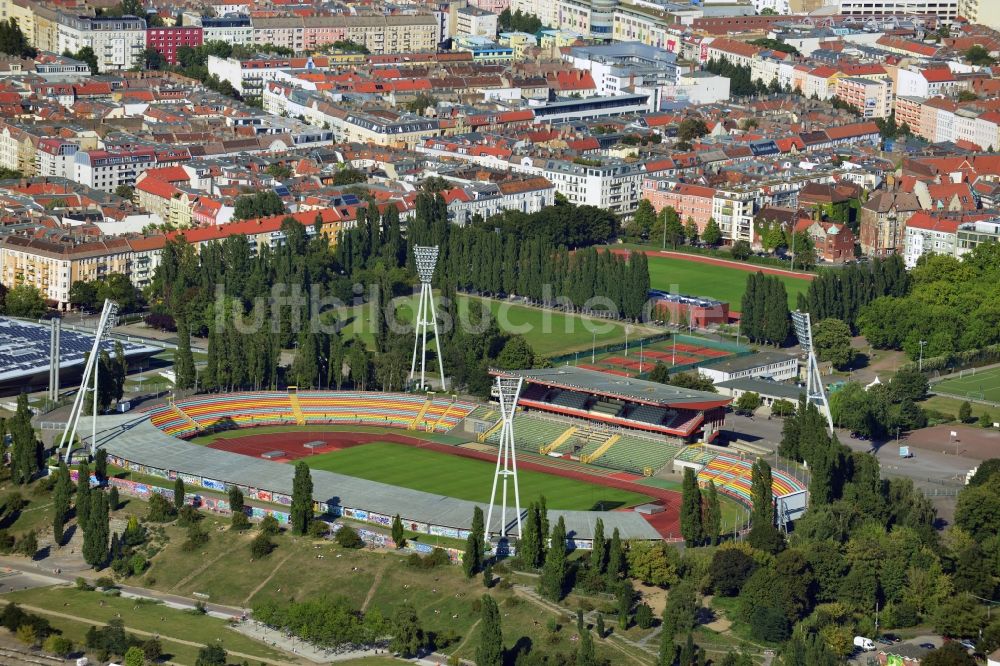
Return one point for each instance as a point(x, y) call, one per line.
point(722, 283)
point(975, 384)
point(465, 478)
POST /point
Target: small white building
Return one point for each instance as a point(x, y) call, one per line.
point(770, 364)
point(472, 21)
point(928, 235)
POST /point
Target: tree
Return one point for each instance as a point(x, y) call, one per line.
point(552, 582)
point(397, 531)
point(763, 533)
point(62, 490)
point(82, 493)
point(24, 300)
point(626, 596)
point(135, 657)
point(691, 528)
point(302, 499)
point(13, 41)
point(239, 520)
point(965, 412)
point(643, 220)
point(585, 650)
point(729, 570)
point(211, 655)
point(85, 55)
point(712, 235)
point(598, 553)
point(748, 403)
point(96, 531)
point(184, 374)
point(517, 354)
point(691, 231)
point(616, 568)
point(490, 650)
point(469, 557)
point(741, 250)
point(671, 228)
point(644, 616)
point(599, 625)
point(58, 645)
point(691, 128)
point(978, 55)
point(654, 563)
point(832, 339)
point(178, 493)
point(24, 456)
point(712, 522)
point(408, 637)
point(949, 654)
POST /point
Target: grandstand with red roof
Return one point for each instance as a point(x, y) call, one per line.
point(670, 411)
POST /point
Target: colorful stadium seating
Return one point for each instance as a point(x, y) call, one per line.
point(732, 477)
point(531, 432)
point(695, 454)
point(394, 410)
point(636, 453)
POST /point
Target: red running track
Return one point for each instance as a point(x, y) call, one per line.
point(667, 523)
point(728, 263)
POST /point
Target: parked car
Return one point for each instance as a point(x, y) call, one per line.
point(967, 644)
point(928, 646)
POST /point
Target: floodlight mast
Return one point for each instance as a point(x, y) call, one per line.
point(426, 259)
point(509, 388)
point(89, 382)
point(815, 393)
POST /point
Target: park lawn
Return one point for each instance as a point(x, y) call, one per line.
point(143, 616)
point(464, 478)
point(983, 385)
point(549, 332)
point(36, 514)
point(722, 283)
point(950, 406)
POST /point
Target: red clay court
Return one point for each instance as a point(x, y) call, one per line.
point(972, 442)
point(667, 523)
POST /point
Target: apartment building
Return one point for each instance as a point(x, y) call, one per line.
point(229, 29)
point(166, 40)
point(872, 98)
point(926, 234)
point(612, 184)
point(105, 170)
point(118, 43)
point(528, 195)
point(56, 158)
point(983, 12)
point(380, 34)
point(470, 21)
point(943, 10)
point(969, 235)
point(52, 266)
point(690, 201)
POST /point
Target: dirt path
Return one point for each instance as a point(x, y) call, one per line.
point(375, 583)
point(187, 579)
point(266, 580)
point(140, 632)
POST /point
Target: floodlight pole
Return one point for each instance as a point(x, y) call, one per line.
point(509, 388)
point(815, 392)
point(426, 258)
point(90, 376)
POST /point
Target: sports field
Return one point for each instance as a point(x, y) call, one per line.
point(547, 331)
point(465, 478)
point(722, 283)
point(974, 384)
point(637, 359)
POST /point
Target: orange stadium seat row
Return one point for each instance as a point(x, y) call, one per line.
point(186, 417)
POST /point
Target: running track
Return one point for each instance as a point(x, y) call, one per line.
point(728, 263)
point(667, 523)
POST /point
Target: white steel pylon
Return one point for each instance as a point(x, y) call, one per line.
point(815, 392)
point(509, 389)
point(89, 382)
point(426, 258)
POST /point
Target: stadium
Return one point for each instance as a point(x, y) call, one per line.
point(592, 443)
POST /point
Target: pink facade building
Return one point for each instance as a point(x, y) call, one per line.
point(694, 201)
point(167, 40)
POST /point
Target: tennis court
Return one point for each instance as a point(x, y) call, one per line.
point(973, 384)
point(683, 351)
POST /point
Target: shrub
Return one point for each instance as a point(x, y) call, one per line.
point(160, 510)
point(270, 525)
point(188, 515)
point(348, 537)
point(261, 546)
point(318, 529)
point(57, 645)
point(644, 616)
point(196, 537)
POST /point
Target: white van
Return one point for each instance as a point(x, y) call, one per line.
point(865, 644)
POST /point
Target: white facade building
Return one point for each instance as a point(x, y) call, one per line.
point(773, 365)
point(118, 43)
point(103, 170)
point(943, 10)
point(927, 235)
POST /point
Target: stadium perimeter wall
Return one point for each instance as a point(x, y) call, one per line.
point(134, 444)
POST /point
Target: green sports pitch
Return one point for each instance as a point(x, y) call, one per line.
point(465, 478)
point(973, 384)
point(723, 283)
